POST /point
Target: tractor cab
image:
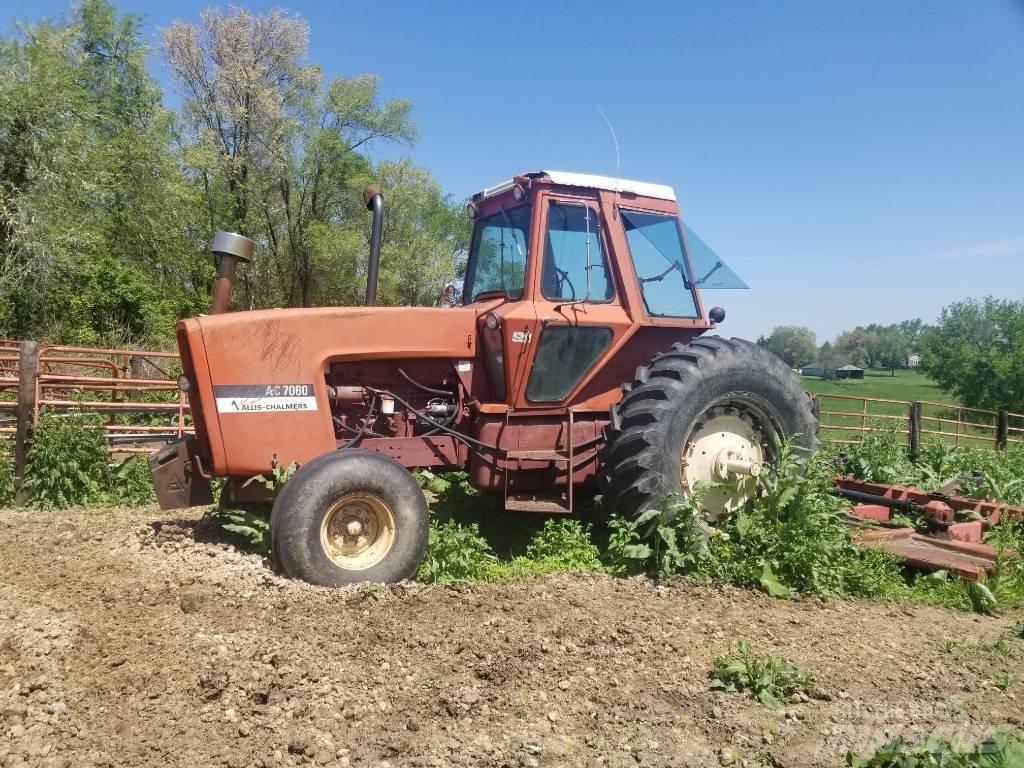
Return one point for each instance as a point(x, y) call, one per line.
point(571, 266)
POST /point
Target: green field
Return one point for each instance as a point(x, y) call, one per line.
point(905, 385)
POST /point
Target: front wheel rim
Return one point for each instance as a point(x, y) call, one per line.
point(358, 531)
point(725, 451)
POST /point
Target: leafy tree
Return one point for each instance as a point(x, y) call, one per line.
point(976, 352)
point(828, 356)
point(794, 344)
point(88, 172)
point(858, 346)
point(891, 349)
point(282, 156)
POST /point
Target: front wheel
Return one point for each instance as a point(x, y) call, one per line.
point(349, 517)
point(706, 414)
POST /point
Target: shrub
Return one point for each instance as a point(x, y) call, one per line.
point(769, 679)
point(564, 544)
point(456, 553)
point(67, 462)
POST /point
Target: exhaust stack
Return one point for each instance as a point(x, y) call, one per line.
point(230, 248)
point(374, 202)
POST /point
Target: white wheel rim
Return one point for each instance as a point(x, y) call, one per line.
point(724, 452)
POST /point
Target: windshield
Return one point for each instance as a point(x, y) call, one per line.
point(497, 256)
point(656, 248)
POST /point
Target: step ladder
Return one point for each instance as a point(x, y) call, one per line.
point(561, 458)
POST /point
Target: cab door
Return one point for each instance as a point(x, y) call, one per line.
point(579, 314)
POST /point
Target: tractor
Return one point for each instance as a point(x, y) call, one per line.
point(576, 363)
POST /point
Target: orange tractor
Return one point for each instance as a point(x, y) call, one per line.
point(576, 363)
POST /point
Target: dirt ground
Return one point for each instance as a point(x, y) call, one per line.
point(124, 641)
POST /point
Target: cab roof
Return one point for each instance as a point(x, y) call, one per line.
point(565, 178)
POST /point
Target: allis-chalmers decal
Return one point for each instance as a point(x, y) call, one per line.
point(264, 398)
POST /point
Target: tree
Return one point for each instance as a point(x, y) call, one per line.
point(283, 157)
point(857, 346)
point(794, 344)
point(827, 357)
point(88, 172)
point(976, 352)
point(891, 349)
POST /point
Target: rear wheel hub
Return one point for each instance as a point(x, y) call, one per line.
point(723, 454)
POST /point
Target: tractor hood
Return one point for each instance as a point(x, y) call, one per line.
point(254, 374)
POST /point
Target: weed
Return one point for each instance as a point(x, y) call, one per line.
point(456, 552)
point(1018, 629)
point(279, 475)
point(565, 544)
point(6, 474)
point(660, 542)
point(133, 483)
point(770, 679)
point(1001, 750)
point(252, 531)
point(67, 462)
point(1003, 680)
point(793, 538)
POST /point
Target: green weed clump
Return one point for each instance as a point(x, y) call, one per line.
point(770, 679)
point(133, 483)
point(249, 529)
point(456, 553)
point(6, 474)
point(1000, 750)
point(564, 544)
point(660, 542)
point(1002, 589)
point(790, 538)
point(67, 463)
point(882, 457)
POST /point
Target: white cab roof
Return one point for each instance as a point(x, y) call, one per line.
point(565, 178)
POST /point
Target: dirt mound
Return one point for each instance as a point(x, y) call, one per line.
point(127, 638)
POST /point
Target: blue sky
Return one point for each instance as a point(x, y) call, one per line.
point(853, 162)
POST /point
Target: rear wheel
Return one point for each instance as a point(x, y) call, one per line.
point(711, 412)
point(349, 517)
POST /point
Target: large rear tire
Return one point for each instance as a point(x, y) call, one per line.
point(712, 411)
point(349, 517)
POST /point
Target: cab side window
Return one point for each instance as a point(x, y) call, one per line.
point(575, 268)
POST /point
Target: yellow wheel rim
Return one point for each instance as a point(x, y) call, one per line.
point(358, 531)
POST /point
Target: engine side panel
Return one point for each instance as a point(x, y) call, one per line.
point(261, 377)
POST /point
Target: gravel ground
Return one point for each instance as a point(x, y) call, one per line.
point(128, 638)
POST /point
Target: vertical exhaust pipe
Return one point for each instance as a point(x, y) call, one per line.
point(374, 202)
point(230, 248)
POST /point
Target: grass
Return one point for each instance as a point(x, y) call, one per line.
point(905, 385)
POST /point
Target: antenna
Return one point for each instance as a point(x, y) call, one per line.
point(618, 159)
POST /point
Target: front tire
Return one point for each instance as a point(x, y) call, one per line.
point(711, 412)
point(349, 517)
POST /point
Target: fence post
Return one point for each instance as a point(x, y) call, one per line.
point(1002, 430)
point(915, 428)
point(135, 372)
point(28, 364)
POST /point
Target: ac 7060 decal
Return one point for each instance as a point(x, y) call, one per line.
point(264, 398)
